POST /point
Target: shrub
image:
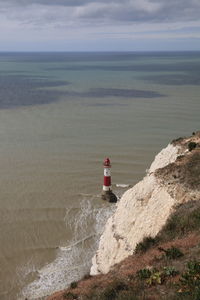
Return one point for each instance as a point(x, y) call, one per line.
point(195, 219)
point(112, 291)
point(87, 276)
point(155, 278)
point(143, 246)
point(184, 220)
point(172, 253)
point(192, 146)
point(178, 140)
point(69, 296)
point(190, 281)
point(144, 273)
point(179, 157)
point(170, 271)
point(73, 285)
point(194, 267)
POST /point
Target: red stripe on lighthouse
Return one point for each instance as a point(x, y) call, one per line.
point(107, 181)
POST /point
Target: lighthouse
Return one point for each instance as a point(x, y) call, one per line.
point(107, 193)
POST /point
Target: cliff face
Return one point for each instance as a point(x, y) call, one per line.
point(173, 178)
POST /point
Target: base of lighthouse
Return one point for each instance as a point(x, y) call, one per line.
point(109, 196)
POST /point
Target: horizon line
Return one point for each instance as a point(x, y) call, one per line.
point(97, 51)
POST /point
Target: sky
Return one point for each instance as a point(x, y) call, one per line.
point(99, 25)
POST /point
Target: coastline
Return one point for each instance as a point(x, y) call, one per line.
point(164, 183)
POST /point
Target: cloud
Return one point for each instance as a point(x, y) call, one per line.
point(142, 10)
point(46, 2)
point(94, 19)
point(107, 11)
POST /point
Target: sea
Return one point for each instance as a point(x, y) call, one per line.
point(61, 115)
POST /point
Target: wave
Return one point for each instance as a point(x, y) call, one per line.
point(73, 260)
point(122, 185)
point(68, 248)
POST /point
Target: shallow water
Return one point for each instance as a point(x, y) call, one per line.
point(61, 114)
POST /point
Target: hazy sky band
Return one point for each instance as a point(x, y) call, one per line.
point(68, 25)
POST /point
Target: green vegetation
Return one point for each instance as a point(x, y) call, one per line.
point(189, 284)
point(172, 253)
point(146, 283)
point(112, 291)
point(178, 140)
point(135, 288)
point(192, 146)
point(86, 276)
point(144, 273)
point(155, 276)
point(73, 284)
point(183, 221)
point(143, 246)
point(69, 296)
point(115, 290)
point(170, 276)
point(170, 271)
point(186, 219)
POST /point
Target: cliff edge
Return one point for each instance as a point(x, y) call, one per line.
point(173, 179)
point(151, 245)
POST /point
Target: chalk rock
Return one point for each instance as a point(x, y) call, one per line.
point(144, 209)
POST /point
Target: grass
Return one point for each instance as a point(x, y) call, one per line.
point(189, 283)
point(184, 220)
point(127, 295)
point(170, 277)
point(171, 253)
point(144, 273)
point(143, 246)
point(135, 289)
point(155, 276)
point(73, 284)
point(111, 292)
point(170, 271)
point(114, 289)
point(69, 296)
point(180, 223)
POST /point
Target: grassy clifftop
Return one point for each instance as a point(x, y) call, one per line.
point(165, 267)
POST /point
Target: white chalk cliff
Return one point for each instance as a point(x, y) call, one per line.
point(144, 209)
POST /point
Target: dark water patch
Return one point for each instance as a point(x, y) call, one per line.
point(25, 91)
point(60, 57)
point(18, 91)
point(124, 93)
point(150, 67)
point(47, 57)
point(28, 76)
point(30, 81)
point(109, 104)
point(172, 79)
point(21, 90)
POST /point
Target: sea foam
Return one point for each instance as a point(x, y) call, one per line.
point(73, 260)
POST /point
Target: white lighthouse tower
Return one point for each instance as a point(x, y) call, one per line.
point(107, 193)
